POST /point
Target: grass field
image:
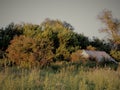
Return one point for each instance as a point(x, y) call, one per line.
point(65, 79)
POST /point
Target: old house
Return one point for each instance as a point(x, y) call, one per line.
point(99, 56)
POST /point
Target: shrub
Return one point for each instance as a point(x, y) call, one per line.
point(115, 54)
point(2, 54)
point(27, 52)
point(90, 47)
point(75, 56)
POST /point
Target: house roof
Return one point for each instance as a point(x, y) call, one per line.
point(97, 53)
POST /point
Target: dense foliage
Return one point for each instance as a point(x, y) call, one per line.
point(31, 56)
point(28, 45)
point(115, 54)
point(7, 34)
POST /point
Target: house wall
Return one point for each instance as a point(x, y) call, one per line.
point(98, 55)
point(84, 54)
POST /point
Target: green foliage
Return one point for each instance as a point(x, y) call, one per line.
point(101, 45)
point(83, 41)
point(53, 40)
point(68, 44)
point(31, 30)
point(8, 33)
point(1, 54)
point(65, 41)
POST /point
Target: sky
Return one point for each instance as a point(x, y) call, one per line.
point(81, 14)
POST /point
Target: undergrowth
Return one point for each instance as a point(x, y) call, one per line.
point(67, 78)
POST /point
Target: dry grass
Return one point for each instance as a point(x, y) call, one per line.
point(66, 79)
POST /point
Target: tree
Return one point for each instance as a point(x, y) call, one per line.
point(56, 25)
point(83, 41)
point(31, 30)
point(64, 40)
point(101, 45)
point(67, 25)
point(112, 27)
point(8, 33)
point(27, 52)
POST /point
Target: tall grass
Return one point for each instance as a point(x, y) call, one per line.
point(66, 79)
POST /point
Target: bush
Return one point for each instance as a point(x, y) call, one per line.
point(76, 56)
point(28, 52)
point(115, 54)
point(2, 54)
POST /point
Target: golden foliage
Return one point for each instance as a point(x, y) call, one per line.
point(91, 48)
point(25, 50)
point(76, 56)
point(115, 54)
point(112, 26)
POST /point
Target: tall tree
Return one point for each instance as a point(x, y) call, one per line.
point(112, 27)
point(65, 41)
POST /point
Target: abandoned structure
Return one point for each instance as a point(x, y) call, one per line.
point(99, 56)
